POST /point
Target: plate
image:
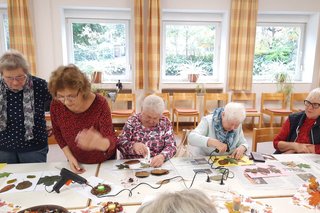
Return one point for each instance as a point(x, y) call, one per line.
point(45, 208)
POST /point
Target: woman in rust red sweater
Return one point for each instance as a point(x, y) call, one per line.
point(81, 120)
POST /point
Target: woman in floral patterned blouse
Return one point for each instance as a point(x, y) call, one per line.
point(148, 129)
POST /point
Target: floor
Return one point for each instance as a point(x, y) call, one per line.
point(56, 155)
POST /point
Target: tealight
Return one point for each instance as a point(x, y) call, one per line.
point(101, 188)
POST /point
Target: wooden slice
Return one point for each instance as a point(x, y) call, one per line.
point(159, 172)
point(130, 162)
point(142, 174)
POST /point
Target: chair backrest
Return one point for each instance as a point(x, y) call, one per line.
point(189, 99)
point(165, 97)
point(296, 101)
point(214, 97)
point(261, 135)
point(125, 99)
point(247, 98)
point(274, 98)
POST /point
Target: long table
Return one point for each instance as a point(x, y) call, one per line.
point(278, 195)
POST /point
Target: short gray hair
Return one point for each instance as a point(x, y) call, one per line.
point(235, 112)
point(12, 60)
point(185, 201)
point(314, 95)
point(153, 103)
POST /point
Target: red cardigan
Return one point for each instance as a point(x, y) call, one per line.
point(66, 125)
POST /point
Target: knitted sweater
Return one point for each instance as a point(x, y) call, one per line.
point(67, 124)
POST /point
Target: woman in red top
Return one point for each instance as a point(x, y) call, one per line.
point(81, 120)
point(301, 131)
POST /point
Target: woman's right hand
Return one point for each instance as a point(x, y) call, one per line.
point(222, 147)
point(140, 149)
point(75, 167)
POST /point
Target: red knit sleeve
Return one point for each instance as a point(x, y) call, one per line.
point(283, 134)
point(54, 109)
point(106, 128)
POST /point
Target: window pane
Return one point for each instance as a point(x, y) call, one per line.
point(189, 49)
point(102, 47)
point(277, 50)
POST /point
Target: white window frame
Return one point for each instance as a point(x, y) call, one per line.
point(122, 16)
point(171, 17)
point(3, 39)
point(287, 20)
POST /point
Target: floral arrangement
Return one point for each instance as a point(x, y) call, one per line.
point(314, 192)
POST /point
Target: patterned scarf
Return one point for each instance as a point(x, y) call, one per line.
point(223, 136)
point(28, 106)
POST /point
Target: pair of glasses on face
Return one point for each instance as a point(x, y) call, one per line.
point(20, 78)
point(314, 105)
point(69, 98)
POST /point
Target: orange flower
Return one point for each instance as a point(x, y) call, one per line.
point(314, 192)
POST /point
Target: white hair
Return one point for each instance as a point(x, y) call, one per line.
point(153, 103)
point(185, 201)
point(235, 112)
point(314, 95)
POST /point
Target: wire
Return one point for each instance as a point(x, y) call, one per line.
point(157, 187)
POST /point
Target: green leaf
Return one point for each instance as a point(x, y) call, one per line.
point(4, 174)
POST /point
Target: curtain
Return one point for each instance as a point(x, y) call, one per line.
point(153, 39)
point(139, 43)
point(20, 30)
point(242, 41)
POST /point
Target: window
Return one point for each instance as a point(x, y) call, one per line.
point(100, 45)
point(4, 31)
point(190, 47)
point(278, 49)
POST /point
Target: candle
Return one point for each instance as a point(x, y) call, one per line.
point(111, 206)
point(101, 188)
point(236, 203)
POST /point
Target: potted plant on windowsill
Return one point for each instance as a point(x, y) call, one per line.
point(193, 70)
point(283, 82)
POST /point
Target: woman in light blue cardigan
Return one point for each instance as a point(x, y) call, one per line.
point(221, 131)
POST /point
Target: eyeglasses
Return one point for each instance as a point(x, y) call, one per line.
point(17, 78)
point(69, 98)
point(314, 105)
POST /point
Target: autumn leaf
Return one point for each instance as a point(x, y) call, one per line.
point(313, 184)
point(314, 198)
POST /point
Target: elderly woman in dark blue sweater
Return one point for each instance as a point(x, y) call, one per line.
point(23, 135)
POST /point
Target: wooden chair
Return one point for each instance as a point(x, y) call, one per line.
point(188, 109)
point(277, 109)
point(262, 135)
point(165, 97)
point(296, 101)
point(248, 98)
point(123, 99)
point(214, 97)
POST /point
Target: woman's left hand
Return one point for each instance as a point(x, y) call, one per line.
point(238, 152)
point(91, 139)
point(157, 161)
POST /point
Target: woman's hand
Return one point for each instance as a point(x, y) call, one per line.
point(239, 152)
point(91, 139)
point(157, 160)
point(140, 149)
point(222, 147)
point(304, 148)
point(75, 167)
